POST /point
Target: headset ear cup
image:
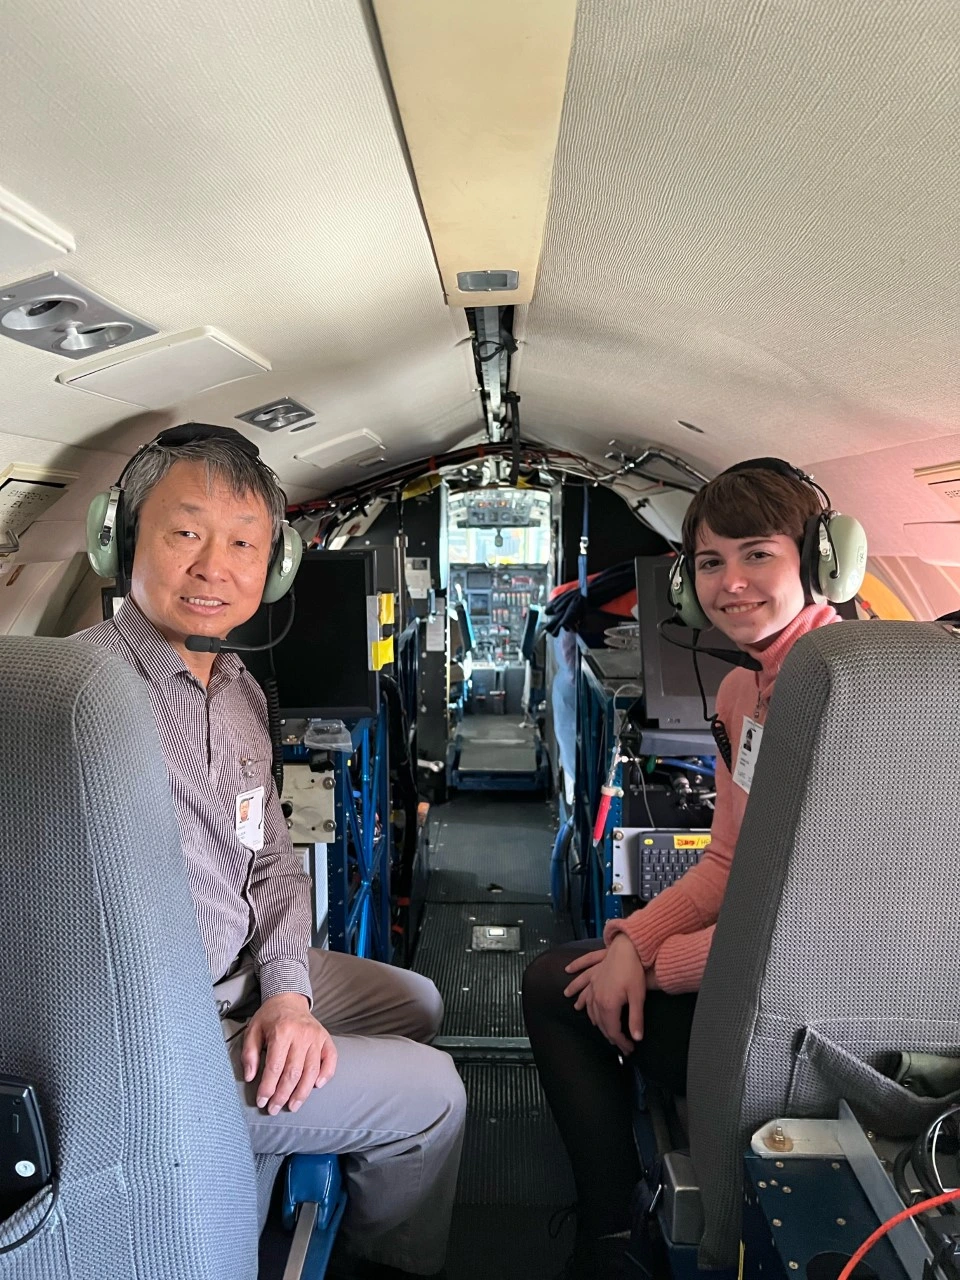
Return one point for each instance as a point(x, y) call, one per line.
point(840, 576)
point(683, 597)
point(104, 560)
point(284, 566)
point(810, 561)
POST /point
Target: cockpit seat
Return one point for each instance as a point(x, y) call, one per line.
point(836, 946)
point(107, 1005)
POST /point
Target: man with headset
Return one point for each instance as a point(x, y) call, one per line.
point(329, 1048)
point(763, 555)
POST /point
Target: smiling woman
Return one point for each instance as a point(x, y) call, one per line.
point(750, 588)
point(750, 535)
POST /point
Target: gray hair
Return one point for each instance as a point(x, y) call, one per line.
point(224, 461)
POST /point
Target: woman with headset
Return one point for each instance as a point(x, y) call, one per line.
point(762, 554)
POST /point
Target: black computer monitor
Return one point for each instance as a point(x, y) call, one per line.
point(323, 665)
point(671, 697)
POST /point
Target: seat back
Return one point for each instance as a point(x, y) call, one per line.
point(838, 939)
point(107, 1002)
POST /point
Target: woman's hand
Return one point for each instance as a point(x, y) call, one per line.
point(605, 982)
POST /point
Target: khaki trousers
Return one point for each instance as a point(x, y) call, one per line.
point(394, 1109)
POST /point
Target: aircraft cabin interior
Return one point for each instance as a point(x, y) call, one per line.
point(493, 292)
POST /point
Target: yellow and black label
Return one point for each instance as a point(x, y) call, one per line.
point(698, 841)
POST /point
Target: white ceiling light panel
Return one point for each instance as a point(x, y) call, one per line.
point(354, 446)
point(167, 370)
point(27, 238)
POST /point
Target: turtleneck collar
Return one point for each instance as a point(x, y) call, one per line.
point(810, 617)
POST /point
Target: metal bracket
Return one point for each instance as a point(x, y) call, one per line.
point(798, 1139)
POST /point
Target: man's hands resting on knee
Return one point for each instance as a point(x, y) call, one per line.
point(300, 1054)
point(608, 981)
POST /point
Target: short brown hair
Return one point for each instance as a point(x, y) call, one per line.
point(754, 503)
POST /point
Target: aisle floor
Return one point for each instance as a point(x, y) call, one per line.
point(490, 861)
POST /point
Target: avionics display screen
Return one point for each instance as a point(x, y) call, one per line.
point(671, 695)
point(323, 665)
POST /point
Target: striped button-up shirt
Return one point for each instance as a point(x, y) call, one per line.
point(217, 746)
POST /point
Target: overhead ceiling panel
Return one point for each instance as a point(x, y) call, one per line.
point(479, 88)
point(240, 167)
point(753, 228)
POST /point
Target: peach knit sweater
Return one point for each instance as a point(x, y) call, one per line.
point(673, 933)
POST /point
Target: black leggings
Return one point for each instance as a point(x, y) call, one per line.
point(590, 1091)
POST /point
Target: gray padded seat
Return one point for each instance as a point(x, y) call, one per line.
point(838, 940)
point(107, 1003)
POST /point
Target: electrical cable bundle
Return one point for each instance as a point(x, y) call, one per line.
point(942, 1233)
point(922, 1158)
point(404, 774)
point(567, 608)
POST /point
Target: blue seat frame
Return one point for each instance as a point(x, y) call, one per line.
point(312, 1204)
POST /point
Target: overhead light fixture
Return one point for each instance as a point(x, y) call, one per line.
point(427, 46)
point(279, 414)
point(56, 314)
point(484, 281)
point(362, 448)
point(27, 237)
point(168, 370)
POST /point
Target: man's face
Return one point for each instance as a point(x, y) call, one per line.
point(748, 587)
point(202, 555)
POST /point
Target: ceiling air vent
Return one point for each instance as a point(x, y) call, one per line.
point(278, 414)
point(487, 281)
point(54, 313)
point(943, 480)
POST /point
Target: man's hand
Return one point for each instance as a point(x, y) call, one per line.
point(300, 1053)
point(607, 981)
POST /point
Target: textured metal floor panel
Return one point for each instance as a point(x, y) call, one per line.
point(495, 729)
point(481, 989)
point(504, 1242)
point(497, 757)
point(490, 856)
point(492, 841)
point(512, 1152)
point(501, 810)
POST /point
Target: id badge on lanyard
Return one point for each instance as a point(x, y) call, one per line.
point(751, 735)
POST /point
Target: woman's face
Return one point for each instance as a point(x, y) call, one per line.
point(748, 587)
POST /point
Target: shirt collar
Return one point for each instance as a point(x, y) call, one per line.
point(157, 658)
point(771, 658)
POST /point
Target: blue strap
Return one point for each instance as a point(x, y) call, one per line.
point(584, 541)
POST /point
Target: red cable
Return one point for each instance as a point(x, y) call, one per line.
point(600, 826)
point(895, 1221)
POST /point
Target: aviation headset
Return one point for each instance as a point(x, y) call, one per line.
point(110, 538)
point(833, 557)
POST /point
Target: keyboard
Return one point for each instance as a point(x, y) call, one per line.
point(665, 856)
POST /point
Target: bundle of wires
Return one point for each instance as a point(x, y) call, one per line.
point(922, 1158)
point(942, 1233)
point(566, 610)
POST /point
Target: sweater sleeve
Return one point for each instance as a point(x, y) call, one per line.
point(682, 959)
point(692, 904)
